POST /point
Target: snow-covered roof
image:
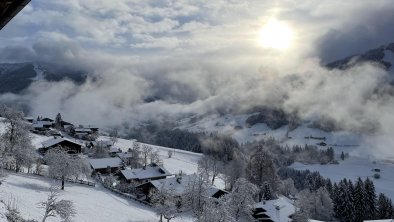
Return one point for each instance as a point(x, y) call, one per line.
point(40, 124)
point(282, 207)
point(124, 155)
point(105, 162)
point(54, 141)
point(177, 184)
point(114, 150)
point(83, 130)
point(147, 173)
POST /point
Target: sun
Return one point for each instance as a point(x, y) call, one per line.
point(276, 35)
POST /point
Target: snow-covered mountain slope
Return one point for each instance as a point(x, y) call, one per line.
point(381, 55)
point(237, 127)
point(355, 167)
point(91, 203)
point(181, 161)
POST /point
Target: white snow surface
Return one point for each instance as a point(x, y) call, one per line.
point(91, 203)
point(181, 160)
point(355, 167)
point(279, 209)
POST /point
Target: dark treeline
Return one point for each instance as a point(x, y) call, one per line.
point(219, 146)
point(351, 202)
point(285, 156)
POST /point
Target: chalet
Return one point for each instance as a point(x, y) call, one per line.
point(126, 157)
point(178, 184)
point(114, 150)
point(280, 209)
point(46, 119)
point(65, 124)
point(145, 174)
point(106, 165)
point(29, 119)
point(42, 125)
point(70, 146)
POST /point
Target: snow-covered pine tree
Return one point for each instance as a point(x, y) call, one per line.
point(384, 208)
point(345, 202)
point(359, 200)
point(58, 121)
point(370, 200)
point(267, 193)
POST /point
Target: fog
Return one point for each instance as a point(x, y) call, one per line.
point(147, 61)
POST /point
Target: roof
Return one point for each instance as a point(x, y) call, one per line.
point(125, 155)
point(147, 173)
point(85, 130)
point(105, 162)
point(284, 205)
point(40, 124)
point(54, 141)
point(9, 9)
point(177, 184)
point(114, 150)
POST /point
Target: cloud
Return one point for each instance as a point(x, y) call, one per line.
point(150, 59)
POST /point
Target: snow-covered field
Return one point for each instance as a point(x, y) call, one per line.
point(180, 161)
point(91, 203)
point(355, 167)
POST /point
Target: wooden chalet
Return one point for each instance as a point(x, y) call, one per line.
point(106, 165)
point(178, 184)
point(145, 174)
point(68, 145)
point(280, 209)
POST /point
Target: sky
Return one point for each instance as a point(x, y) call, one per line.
point(204, 56)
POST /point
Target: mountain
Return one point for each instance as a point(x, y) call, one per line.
point(16, 77)
point(384, 55)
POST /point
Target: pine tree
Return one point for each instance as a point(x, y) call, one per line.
point(58, 121)
point(370, 199)
point(267, 194)
point(384, 208)
point(345, 207)
point(359, 200)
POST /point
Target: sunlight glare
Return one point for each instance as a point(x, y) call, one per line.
point(276, 35)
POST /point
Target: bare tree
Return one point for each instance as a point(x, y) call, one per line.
point(146, 151)
point(209, 167)
point(170, 153)
point(61, 165)
point(164, 201)
point(136, 155)
point(155, 158)
point(114, 135)
point(100, 150)
point(55, 207)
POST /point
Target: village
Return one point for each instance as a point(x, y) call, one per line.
point(136, 172)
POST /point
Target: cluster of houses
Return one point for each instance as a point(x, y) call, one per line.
point(145, 180)
point(50, 127)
